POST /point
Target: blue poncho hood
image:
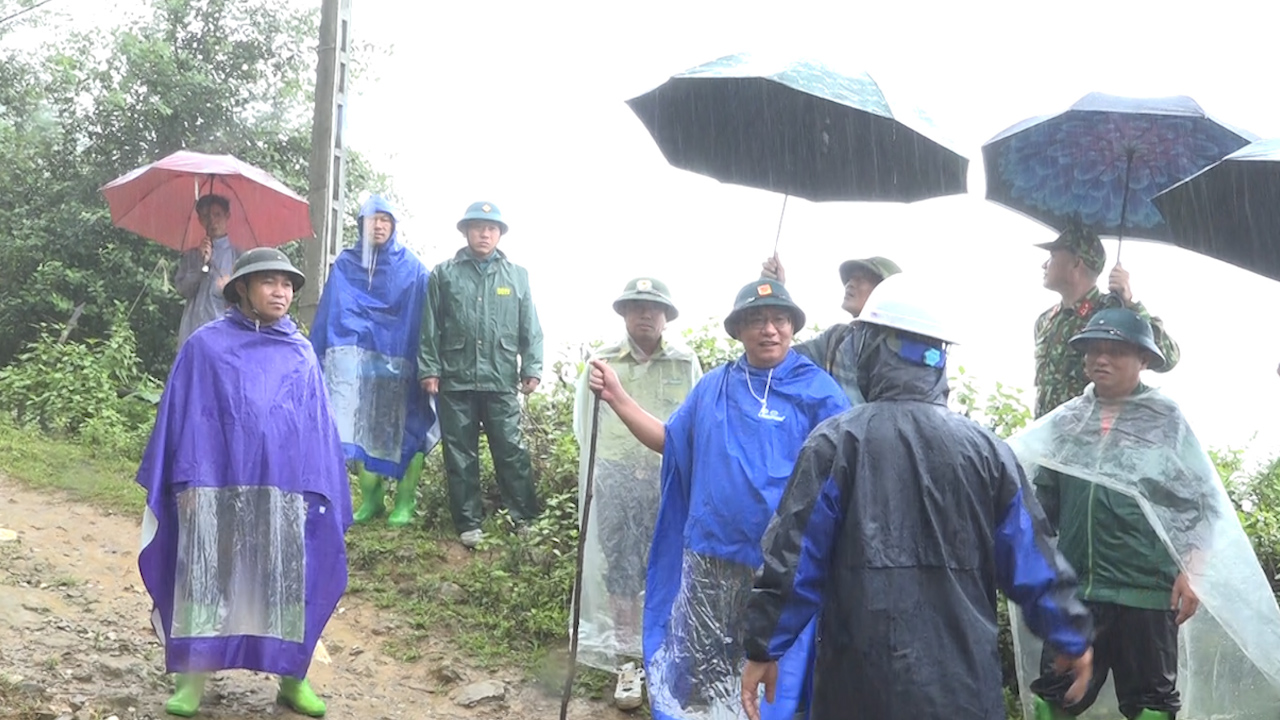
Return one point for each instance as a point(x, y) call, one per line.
point(366, 336)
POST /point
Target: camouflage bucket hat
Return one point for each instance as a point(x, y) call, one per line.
point(649, 290)
point(1125, 326)
point(1083, 243)
point(261, 260)
point(881, 267)
point(762, 293)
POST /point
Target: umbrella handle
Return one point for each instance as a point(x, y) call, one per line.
point(1124, 201)
point(782, 214)
point(582, 542)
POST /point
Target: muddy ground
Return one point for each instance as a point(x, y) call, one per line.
point(76, 642)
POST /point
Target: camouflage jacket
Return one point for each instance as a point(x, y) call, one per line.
point(836, 351)
point(1059, 369)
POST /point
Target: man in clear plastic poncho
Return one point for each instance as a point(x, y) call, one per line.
point(1143, 517)
point(658, 373)
point(726, 455)
point(366, 335)
point(899, 524)
point(247, 496)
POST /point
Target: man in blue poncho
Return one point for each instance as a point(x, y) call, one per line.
point(366, 338)
point(726, 455)
point(247, 497)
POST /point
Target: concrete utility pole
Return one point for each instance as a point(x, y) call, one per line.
point(327, 194)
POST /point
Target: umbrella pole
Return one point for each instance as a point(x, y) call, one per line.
point(1124, 203)
point(582, 542)
point(781, 215)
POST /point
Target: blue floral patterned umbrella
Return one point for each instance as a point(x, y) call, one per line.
point(1079, 163)
point(1231, 211)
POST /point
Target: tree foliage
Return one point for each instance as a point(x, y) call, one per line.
point(217, 76)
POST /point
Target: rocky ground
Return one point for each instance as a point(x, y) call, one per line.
point(76, 642)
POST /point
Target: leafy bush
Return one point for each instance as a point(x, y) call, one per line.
point(1256, 496)
point(93, 389)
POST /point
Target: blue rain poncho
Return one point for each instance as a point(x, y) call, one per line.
point(366, 336)
point(725, 463)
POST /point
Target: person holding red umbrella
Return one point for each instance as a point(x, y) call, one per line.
point(237, 207)
point(203, 271)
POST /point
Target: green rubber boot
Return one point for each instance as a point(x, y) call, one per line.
point(188, 691)
point(407, 493)
point(1147, 714)
point(1045, 711)
point(372, 500)
point(298, 695)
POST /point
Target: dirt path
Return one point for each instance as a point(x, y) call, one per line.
point(76, 643)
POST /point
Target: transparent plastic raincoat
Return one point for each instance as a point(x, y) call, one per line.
point(1229, 651)
point(625, 502)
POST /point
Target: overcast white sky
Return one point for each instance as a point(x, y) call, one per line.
point(522, 104)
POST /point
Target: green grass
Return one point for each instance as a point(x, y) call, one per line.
point(15, 704)
point(81, 472)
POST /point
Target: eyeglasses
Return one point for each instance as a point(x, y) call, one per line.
point(781, 321)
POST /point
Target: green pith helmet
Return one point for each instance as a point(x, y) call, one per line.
point(762, 293)
point(1125, 326)
point(650, 290)
point(261, 260)
point(879, 266)
point(482, 211)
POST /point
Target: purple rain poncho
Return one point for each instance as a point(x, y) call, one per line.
point(247, 502)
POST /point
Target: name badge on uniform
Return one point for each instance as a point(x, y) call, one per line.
point(504, 291)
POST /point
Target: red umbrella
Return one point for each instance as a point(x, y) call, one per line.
point(158, 202)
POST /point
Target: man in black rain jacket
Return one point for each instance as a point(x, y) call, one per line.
point(899, 523)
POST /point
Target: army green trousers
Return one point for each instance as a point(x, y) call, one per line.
point(462, 414)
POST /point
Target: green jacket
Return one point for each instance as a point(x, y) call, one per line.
point(1106, 537)
point(480, 328)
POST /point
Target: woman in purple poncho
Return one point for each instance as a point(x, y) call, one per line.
point(247, 497)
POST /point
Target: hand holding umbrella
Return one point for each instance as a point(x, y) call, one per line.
point(1118, 283)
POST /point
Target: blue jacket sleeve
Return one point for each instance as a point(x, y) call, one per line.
point(797, 548)
point(1030, 570)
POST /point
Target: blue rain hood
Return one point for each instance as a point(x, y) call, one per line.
point(365, 335)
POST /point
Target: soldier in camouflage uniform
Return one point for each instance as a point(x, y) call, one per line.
point(835, 350)
point(1076, 259)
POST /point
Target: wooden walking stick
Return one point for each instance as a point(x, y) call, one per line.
point(582, 542)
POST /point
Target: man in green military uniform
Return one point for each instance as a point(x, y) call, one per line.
point(1076, 259)
point(658, 373)
point(481, 343)
point(836, 349)
point(1122, 434)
